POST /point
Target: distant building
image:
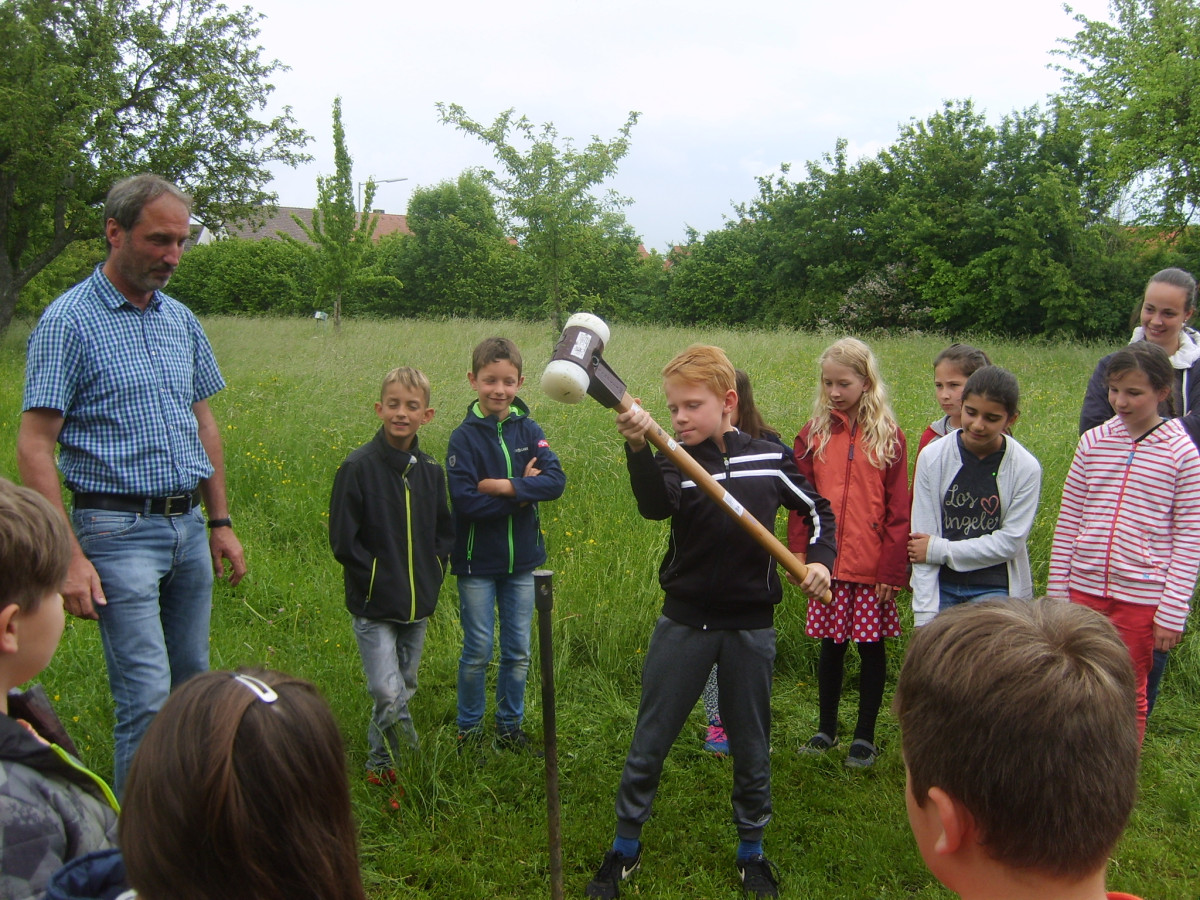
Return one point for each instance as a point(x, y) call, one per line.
point(282, 221)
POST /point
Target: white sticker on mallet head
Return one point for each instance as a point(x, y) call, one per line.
point(583, 340)
point(731, 501)
point(671, 445)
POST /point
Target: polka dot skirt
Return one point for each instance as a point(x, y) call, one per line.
point(855, 613)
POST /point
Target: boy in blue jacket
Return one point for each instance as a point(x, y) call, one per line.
point(499, 465)
point(390, 529)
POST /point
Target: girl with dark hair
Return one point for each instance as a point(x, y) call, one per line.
point(238, 792)
point(1127, 542)
point(951, 369)
point(1162, 318)
point(975, 497)
point(747, 418)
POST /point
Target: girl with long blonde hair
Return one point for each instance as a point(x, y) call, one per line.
point(854, 454)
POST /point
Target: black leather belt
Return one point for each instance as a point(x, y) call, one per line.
point(147, 506)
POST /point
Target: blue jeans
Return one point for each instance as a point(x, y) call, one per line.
point(391, 652)
point(157, 577)
point(954, 594)
point(479, 596)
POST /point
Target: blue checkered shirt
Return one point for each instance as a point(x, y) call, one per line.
point(125, 381)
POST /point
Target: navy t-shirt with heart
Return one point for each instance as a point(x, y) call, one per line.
point(971, 509)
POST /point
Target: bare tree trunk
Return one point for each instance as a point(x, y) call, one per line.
point(8, 299)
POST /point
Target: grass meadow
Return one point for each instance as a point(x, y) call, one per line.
point(299, 398)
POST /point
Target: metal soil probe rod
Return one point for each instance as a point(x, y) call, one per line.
point(543, 598)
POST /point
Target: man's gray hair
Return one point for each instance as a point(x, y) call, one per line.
point(129, 196)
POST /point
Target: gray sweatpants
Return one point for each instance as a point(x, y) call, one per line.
point(678, 660)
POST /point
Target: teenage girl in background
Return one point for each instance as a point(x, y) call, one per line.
point(853, 452)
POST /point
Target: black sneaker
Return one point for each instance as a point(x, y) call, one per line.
point(469, 741)
point(817, 744)
point(615, 869)
point(862, 755)
point(760, 877)
point(518, 742)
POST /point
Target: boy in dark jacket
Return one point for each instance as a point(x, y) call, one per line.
point(499, 465)
point(391, 531)
point(721, 589)
point(52, 809)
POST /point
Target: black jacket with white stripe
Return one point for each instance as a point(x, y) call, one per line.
point(714, 574)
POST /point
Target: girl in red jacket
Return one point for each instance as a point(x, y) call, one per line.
point(853, 452)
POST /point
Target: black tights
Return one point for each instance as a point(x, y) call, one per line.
point(873, 672)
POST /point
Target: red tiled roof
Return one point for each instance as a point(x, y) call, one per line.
point(388, 223)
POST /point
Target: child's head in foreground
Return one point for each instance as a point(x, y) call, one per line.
point(404, 405)
point(701, 388)
point(1019, 732)
point(239, 791)
point(35, 551)
point(496, 375)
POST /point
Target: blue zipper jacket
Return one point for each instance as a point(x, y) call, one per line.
point(499, 535)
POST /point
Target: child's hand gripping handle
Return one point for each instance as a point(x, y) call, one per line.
point(693, 470)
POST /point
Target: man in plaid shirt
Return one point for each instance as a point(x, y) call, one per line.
point(118, 375)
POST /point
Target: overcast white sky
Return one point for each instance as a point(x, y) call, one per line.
point(727, 90)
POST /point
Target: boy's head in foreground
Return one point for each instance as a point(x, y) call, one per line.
point(496, 375)
point(701, 388)
point(239, 792)
point(35, 551)
point(1019, 732)
point(403, 405)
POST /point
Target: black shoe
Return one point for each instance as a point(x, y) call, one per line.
point(518, 742)
point(615, 869)
point(817, 744)
point(470, 741)
point(862, 755)
point(760, 877)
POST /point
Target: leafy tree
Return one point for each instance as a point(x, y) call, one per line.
point(68, 268)
point(92, 92)
point(958, 224)
point(548, 188)
point(458, 260)
point(1136, 82)
point(244, 277)
point(606, 267)
point(339, 232)
point(722, 278)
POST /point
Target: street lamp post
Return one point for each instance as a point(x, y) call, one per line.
point(377, 181)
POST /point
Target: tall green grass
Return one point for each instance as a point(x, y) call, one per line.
point(299, 399)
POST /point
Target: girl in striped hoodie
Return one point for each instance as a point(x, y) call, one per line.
point(1127, 541)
